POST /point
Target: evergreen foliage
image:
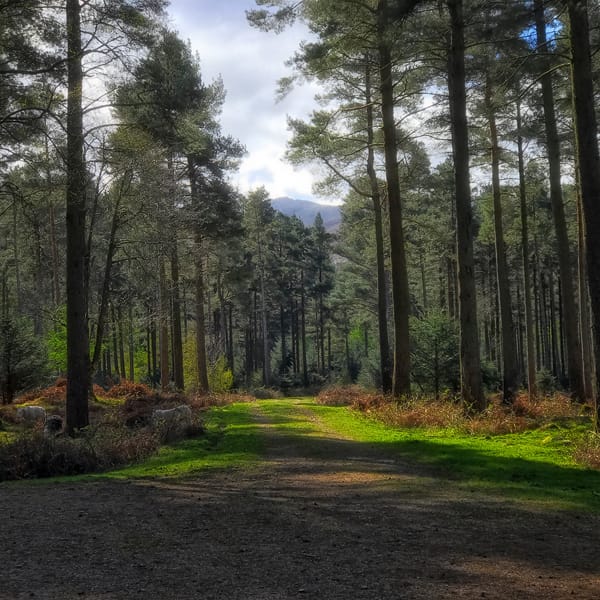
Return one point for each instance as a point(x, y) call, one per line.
point(448, 134)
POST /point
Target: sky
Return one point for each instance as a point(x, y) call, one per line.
point(250, 62)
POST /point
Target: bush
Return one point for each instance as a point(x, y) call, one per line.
point(546, 382)
point(351, 395)
point(129, 389)
point(435, 352)
point(588, 451)
point(491, 378)
point(220, 376)
point(201, 401)
point(97, 449)
point(425, 411)
point(169, 431)
point(263, 393)
point(54, 396)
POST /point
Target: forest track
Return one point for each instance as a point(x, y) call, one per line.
point(321, 517)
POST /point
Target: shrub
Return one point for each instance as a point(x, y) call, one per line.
point(220, 376)
point(421, 412)
point(546, 382)
point(425, 411)
point(169, 431)
point(350, 395)
point(200, 401)
point(264, 393)
point(33, 454)
point(435, 352)
point(587, 452)
point(129, 389)
point(53, 397)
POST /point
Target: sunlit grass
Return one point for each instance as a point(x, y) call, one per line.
point(231, 440)
point(532, 465)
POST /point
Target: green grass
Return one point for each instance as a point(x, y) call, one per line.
point(231, 440)
point(534, 465)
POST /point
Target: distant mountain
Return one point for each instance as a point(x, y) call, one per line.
point(306, 211)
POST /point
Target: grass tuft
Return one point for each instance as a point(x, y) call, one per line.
point(587, 452)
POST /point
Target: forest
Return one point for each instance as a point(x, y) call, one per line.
point(460, 136)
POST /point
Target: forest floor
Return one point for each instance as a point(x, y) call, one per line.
point(319, 516)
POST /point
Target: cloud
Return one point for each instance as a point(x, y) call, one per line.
point(250, 63)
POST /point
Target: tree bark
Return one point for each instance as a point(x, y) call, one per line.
point(130, 343)
point(510, 372)
point(566, 276)
point(400, 292)
point(163, 319)
point(529, 332)
point(382, 308)
point(78, 374)
point(176, 316)
point(584, 305)
point(303, 333)
point(470, 369)
point(201, 358)
point(105, 292)
point(586, 130)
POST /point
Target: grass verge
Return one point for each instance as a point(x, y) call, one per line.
point(231, 440)
point(535, 465)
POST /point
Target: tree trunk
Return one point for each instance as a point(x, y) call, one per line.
point(322, 329)
point(283, 342)
point(303, 335)
point(131, 343)
point(149, 353)
point(115, 340)
point(552, 321)
point(230, 354)
point(584, 305)
point(510, 373)
point(266, 354)
point(586, 130)
point(529, 332)
point(201, 359)
point(163, 338)
point(470, 369)
point(78, 374)
point(121, 343)
point(558, 213)
point(105, 292)
point(176, 316)
point(400, 293)
point(384, 343)
point(537, 318)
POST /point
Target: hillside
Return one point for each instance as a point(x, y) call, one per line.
point(306, 211)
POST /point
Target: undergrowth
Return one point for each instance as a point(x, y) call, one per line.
point(120, 433)
point(33, 454)
point(587, 451)
point(449, 414)
point(423, 411)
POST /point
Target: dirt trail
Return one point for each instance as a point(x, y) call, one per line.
point(322, 518)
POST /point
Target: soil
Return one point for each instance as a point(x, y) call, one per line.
point(321, 518)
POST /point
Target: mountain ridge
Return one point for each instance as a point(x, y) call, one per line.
point(307, 210)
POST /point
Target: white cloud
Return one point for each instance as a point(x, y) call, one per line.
point(250, 63)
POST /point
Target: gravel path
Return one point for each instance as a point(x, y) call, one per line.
point(321, 518)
